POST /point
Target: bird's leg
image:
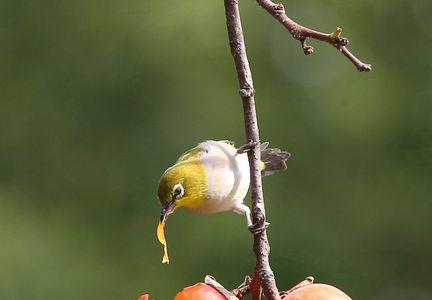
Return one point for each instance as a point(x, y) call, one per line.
point(247, 147)
point(244, 210)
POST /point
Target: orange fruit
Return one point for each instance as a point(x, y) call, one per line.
point(316, 291)
point(199, 291)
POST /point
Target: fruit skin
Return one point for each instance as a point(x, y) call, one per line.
point(144, 297)
point(316, 291)
point(199, 291)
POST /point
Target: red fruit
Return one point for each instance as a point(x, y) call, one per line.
point(199, 291)
point(316, 291)
point(144, 297)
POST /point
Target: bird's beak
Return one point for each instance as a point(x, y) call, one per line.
point(167, 210)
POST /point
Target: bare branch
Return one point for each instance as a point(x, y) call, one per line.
point(261, 245)
point(263, 275)
point(302, 33)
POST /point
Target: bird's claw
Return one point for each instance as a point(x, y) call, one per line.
point(257, 229)
point(247, 147)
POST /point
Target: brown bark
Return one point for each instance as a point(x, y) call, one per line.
point(263, 275)
point(261, 246)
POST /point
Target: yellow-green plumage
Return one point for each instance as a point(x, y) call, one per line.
point(189, 173)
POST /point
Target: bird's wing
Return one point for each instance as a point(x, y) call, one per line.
point(192, 154)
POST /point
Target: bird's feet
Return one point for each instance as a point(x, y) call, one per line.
point(247, 147)
point(258, 228)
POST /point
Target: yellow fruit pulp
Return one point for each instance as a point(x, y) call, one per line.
point(162, 240)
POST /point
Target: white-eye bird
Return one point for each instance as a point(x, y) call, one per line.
point(214, 177)
point(210, 178)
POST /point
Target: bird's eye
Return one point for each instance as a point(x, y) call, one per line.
point(178, 191)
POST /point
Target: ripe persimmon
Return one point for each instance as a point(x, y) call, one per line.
point(316, 291)
point(199, 291)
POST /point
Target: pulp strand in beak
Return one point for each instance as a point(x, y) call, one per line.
point(162, 240)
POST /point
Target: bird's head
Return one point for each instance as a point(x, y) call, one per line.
point(184, 184)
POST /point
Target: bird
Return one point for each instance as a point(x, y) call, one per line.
point(213, 177)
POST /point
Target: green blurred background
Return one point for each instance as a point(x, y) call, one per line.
point(99, 97)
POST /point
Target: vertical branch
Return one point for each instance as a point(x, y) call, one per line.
point(261, 246)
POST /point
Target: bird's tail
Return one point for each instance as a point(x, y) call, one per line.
point(272, 159)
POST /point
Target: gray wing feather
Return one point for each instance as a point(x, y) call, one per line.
point(274, 159)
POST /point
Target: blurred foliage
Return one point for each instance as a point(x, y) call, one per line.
point(99, 97)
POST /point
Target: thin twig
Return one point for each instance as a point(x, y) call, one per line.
point(261, 244)
point(210, 280)
point(302, 33)
point(243, 289)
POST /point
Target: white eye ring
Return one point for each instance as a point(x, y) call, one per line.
point(178, 191)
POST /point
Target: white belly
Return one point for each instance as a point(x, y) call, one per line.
point(227, 177)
